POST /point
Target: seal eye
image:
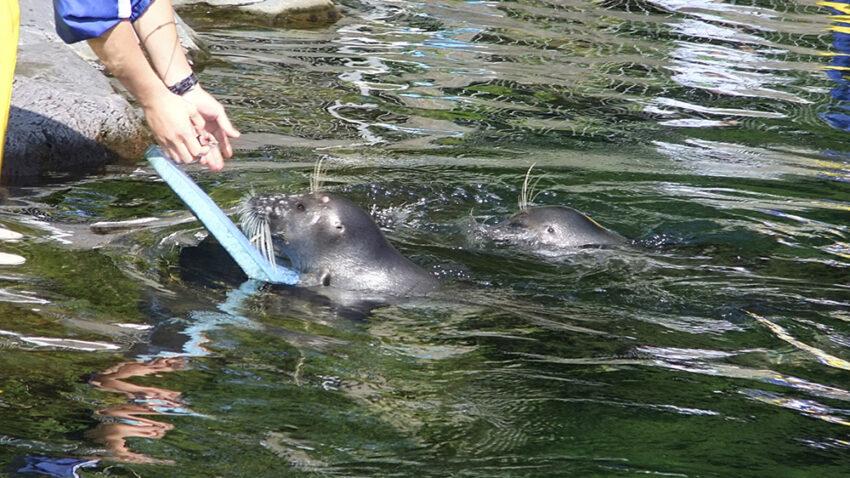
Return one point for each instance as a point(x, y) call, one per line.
point(300, 206)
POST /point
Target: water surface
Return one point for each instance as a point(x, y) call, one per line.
point(716, 344)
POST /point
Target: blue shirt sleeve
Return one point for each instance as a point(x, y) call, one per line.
point(78, 20)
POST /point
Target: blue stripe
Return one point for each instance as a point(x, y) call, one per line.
point(78, 20)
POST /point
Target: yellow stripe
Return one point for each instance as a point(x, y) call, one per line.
point(839, 29)
point(9, 20)
point(841, 7)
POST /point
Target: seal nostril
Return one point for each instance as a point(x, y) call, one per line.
point(300, 206)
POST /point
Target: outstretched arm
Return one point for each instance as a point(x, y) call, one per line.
point(157, 32)
point(176, 123)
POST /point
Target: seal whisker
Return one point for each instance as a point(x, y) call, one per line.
point(523, 195)
point(532, 192)
point(529, 194)
point(257, 229)
point(317, 179)
point(268, 245)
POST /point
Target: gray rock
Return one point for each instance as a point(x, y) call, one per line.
point(65, 114)
point(278, 12)
point(195, 48)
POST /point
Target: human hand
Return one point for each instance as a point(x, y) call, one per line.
point(216, 123)
point(177, 126)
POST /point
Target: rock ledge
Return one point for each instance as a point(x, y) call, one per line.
point(302, 13)
point(65, 114)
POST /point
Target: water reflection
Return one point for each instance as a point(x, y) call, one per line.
point(726, 63)
point(372, 62)
point(838, 115)
point(706, 362)
point(133, 419)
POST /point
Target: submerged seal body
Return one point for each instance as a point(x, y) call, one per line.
point(332, 242)
point(552, 228)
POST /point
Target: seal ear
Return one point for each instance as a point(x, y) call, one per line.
point(339, 226)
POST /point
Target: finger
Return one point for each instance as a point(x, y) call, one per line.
point(193, 145)
point(174, 153)
point(227, 126)
point(170, 152)
point(197, 121)
point(226, 131)
point(205, 159)
point(223, 143)
point(183, 154)
point(214, 160)
point(208, 139)
point(213, 152)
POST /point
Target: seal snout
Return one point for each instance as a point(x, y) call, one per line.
point(265, 207)
point(257, 216)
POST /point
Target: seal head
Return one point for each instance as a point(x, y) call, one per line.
point(552, 228)
point(332, 242)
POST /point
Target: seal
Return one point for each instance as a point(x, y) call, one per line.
point(332, 242)
point(554, 227)
point(550, 228)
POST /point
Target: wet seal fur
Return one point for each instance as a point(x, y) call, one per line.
point(332, 242)
point(550, 228)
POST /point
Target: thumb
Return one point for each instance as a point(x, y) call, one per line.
point(227, 126)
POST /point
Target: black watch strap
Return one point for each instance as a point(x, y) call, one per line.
point(184, 85)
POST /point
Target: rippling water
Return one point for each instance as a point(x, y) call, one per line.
point(709, 133)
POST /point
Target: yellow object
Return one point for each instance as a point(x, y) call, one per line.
point(9, 20)
point(841, 7)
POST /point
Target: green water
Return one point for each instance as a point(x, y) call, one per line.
point(714, 345)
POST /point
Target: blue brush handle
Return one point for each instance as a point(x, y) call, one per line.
point(228, 235)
